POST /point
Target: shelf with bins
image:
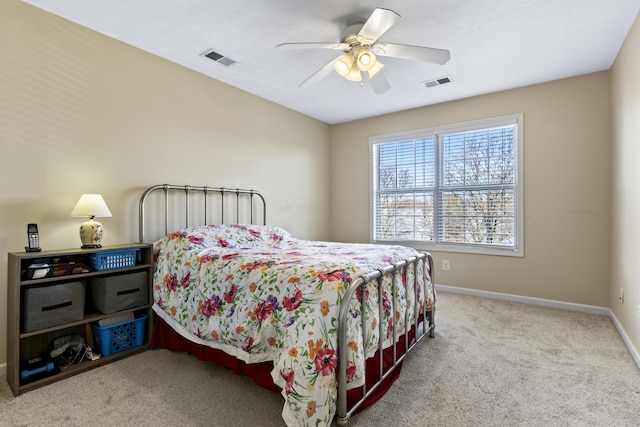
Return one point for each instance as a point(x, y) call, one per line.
point(27, 343)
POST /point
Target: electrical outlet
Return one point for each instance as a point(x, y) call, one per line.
point(621, 297)
point(445, 264)
point(638, 315)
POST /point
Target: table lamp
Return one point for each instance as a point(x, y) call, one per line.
point(91, 205)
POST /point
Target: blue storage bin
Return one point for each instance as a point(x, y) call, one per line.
point(112, 260)
point(123, 336)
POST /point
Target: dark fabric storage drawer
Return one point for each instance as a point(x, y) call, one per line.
point(52, 305)
point(115, 293)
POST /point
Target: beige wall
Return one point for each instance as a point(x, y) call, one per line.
point(567, 133)
point(625, 254)
point(82, 113)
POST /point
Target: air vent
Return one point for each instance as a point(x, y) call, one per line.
point(215, 56)
point(437, 82)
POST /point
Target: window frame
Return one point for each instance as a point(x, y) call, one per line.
point(435, 132)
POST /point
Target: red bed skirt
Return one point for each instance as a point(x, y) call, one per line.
point(165, 337)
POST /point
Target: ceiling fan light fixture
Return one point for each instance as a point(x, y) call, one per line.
point(366, 60)
point(343, 65)
point(354, 73)
point(374, 70)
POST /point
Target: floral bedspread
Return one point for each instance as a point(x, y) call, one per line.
point(259, 294)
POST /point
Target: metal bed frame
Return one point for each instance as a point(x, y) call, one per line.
point(424, 323)
point(221, 194)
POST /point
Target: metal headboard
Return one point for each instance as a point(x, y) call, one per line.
point(189, 191)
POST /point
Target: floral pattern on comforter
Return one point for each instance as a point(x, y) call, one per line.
point(259, 294)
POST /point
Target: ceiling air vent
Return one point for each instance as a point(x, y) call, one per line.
point(215, 56)
point(437, 82)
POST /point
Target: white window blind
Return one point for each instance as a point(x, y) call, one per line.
point(456, 187)
point(406, 172)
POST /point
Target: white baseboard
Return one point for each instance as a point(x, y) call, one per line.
point(603, 311)
point(3, 369)
point(625, 338)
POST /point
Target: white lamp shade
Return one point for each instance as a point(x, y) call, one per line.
point(91, 205)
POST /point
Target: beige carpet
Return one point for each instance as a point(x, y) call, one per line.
point(492, 363)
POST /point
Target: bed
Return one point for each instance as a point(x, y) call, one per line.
point(325, 324)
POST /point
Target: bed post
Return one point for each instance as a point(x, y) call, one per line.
point(432, 313)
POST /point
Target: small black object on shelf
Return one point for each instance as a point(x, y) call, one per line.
point(33, 238)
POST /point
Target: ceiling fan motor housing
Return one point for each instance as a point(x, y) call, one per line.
point(350, 34)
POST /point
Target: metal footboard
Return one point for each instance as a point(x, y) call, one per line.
point(420, 326)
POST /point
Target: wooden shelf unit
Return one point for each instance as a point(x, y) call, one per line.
point(22, 346)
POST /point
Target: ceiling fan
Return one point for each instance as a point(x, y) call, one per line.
point(360, 45)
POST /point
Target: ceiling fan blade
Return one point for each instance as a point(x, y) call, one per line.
point(314, 45)
point(416, 53)
point(378, 23)
point(378, 82)
point(318, 75)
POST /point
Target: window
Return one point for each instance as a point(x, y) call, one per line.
point(452, 188)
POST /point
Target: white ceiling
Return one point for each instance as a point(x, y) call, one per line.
point(495, 44)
